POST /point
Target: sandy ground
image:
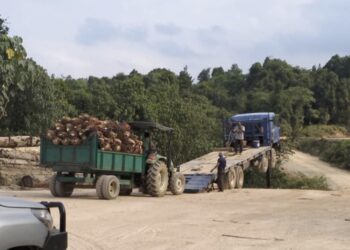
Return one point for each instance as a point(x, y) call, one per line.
point(235, 219)
point(338, 179)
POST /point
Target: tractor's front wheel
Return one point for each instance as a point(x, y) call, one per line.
point(177, 183)
point(157, 179)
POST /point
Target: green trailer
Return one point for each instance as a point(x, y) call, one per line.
point(112, 173)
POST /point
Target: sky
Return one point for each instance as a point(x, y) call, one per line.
point(104, 37)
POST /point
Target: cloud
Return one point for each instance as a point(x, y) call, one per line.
point(95, 31)
point(174, 49)
point(167, 29)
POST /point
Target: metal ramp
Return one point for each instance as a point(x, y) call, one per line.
point(198, 182)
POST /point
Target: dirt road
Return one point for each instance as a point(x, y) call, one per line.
point(235, 219)
point(337, 179)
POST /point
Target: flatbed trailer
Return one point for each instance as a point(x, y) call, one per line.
point(200, 178)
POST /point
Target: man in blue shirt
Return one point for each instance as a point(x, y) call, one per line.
point(221, 165)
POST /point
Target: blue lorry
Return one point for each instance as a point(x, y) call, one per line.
point(262, 139)
point(260, 128)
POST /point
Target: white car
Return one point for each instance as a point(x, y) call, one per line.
point(26, 225)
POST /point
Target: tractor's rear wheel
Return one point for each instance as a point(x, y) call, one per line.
point(110, 187)
point(231, 179)
point(61, 189)
point(157, 179)
point(177, 183)
point(240, 177)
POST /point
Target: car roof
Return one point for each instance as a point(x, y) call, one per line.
point(149, 125)
point(19, 203)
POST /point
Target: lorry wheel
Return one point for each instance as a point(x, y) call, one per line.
point(125, 191)
point(240, 177)
point(157, 179)
point(231, 179)
point(99, 186)
point(263, 164)
point(110, 187)
point(177, 183)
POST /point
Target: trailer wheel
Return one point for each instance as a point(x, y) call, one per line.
point(240, 177)
point(231, 179)
point(177, 183)
point(52, 186)
point(99, 186)
point(60, 189)
point(110, 187)
point(157, 179)
point(125, 191)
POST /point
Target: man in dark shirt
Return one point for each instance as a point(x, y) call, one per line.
point(221, 165)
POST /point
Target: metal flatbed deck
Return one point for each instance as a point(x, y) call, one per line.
point(197, 171)
point(203, 164)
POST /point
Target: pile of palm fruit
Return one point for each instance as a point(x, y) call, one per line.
point(112, 135)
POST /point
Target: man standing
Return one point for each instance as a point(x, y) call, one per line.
point(239, 130)
point(221, 165)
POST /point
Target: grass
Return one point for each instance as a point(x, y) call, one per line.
point(280, 179)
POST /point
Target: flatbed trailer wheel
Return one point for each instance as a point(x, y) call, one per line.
point(240, 177)
point(231, 179)
point(60, 189)
point(177, 183)
point(110, 187)
point(157, 179)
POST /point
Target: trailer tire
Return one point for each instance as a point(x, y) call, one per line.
point(230, 179)
point(61, 189)
point(125, 191)
point(240, 177)
point(110, 187)
point(157, 179)
point(99, 186)
point(177, 183)
point(52, 186)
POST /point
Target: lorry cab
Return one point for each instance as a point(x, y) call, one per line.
point(259, 127)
